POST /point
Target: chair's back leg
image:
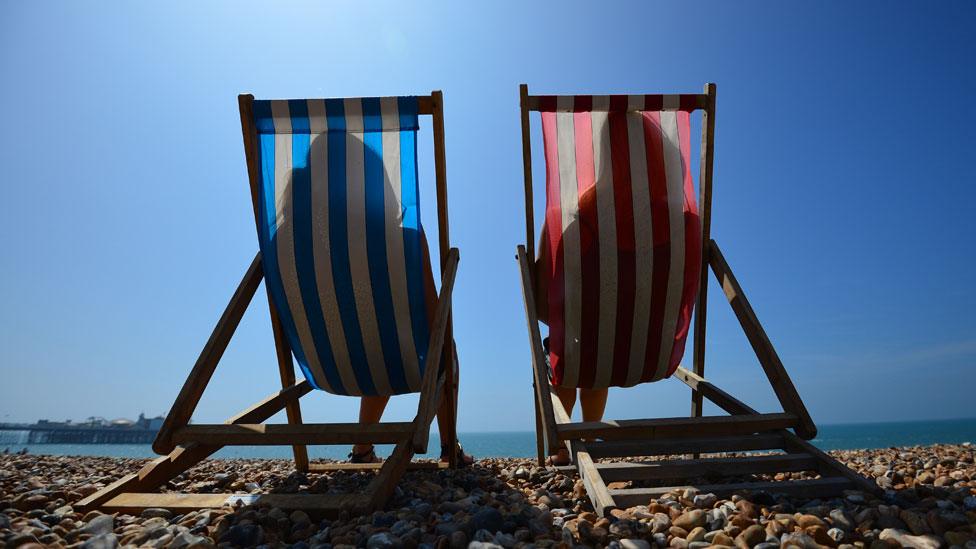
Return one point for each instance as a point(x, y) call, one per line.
point(705, 205)
point(540, 442)
point(449, 405)
point(286, 369)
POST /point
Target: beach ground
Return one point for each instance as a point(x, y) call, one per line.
point(930, 501)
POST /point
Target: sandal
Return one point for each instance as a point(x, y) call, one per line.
point(557, 459)
point(463, 460)
point(365, 457)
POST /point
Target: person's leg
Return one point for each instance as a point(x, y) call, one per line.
point(593, 402)
point(567, 395)
point(370, 411)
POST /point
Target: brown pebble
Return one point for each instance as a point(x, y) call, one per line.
point(678, 532)
point(722, 538)
point(750, 536)
point(809, 520)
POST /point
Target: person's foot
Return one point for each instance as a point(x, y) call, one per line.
point(463, 460)
point(364, 454)
point(560, 459)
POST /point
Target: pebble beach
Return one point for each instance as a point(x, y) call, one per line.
point(929, 502)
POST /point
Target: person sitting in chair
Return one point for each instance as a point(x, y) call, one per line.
point(592, 401)
point(371, 407)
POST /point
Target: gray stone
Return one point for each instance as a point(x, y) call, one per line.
point(101, 541)
point(483, 535)
point(628, 543)
point(154, 512)
point(705, 501)
point(382, 540)
point(970, 503)
point(186, 540)
point(905, 539)
point(840, 520)
point(488, 518)
point(505, 540)
point(245, 535)
point(102, 524)
point(836, 534)
point(799, 540)
point(484, 545)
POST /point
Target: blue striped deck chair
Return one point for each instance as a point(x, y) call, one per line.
point(334, 184)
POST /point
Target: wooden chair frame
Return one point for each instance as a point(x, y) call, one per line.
point(743, 430)
point(183, 445)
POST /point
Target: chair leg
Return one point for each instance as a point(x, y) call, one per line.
point(449, 406)
point(540, 443)
point(384, 483)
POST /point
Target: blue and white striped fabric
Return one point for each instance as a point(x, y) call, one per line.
point(340, 239)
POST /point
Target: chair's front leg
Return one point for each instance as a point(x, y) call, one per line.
point(429, 395)
point(540, 386)
point(780, 380)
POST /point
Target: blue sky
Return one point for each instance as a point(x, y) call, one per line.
point(842, 189)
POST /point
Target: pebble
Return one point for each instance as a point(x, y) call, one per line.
point(101, 541)
point(905, 539)
point(690, 520)
point(508, 503)
point(382, 540)
point(705, 501)
point(102, 524)
point(154, 512)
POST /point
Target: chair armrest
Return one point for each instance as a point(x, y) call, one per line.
point(430, 397)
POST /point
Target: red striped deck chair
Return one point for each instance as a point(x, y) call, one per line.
point(335, 189)
point(622, 265)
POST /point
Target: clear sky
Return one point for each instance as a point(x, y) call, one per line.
point(843, 189)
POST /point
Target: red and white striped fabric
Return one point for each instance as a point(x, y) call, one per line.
point(624, 238)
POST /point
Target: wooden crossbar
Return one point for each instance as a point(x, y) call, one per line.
point(706, 467)
point(595, 486)
point(655, 101)
point(261, 434)
point(674, 446)
point(828, 466)
point(350, 467)
point(812, 488)
point(318, 504)
point(677, 427)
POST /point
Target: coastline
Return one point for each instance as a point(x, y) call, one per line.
point(930, 501)
point(522, 444)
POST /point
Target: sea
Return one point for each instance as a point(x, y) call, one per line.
point(522, 444)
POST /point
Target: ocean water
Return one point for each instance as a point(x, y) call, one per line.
point(523, 444)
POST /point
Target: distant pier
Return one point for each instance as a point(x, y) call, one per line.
point(94, 431)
